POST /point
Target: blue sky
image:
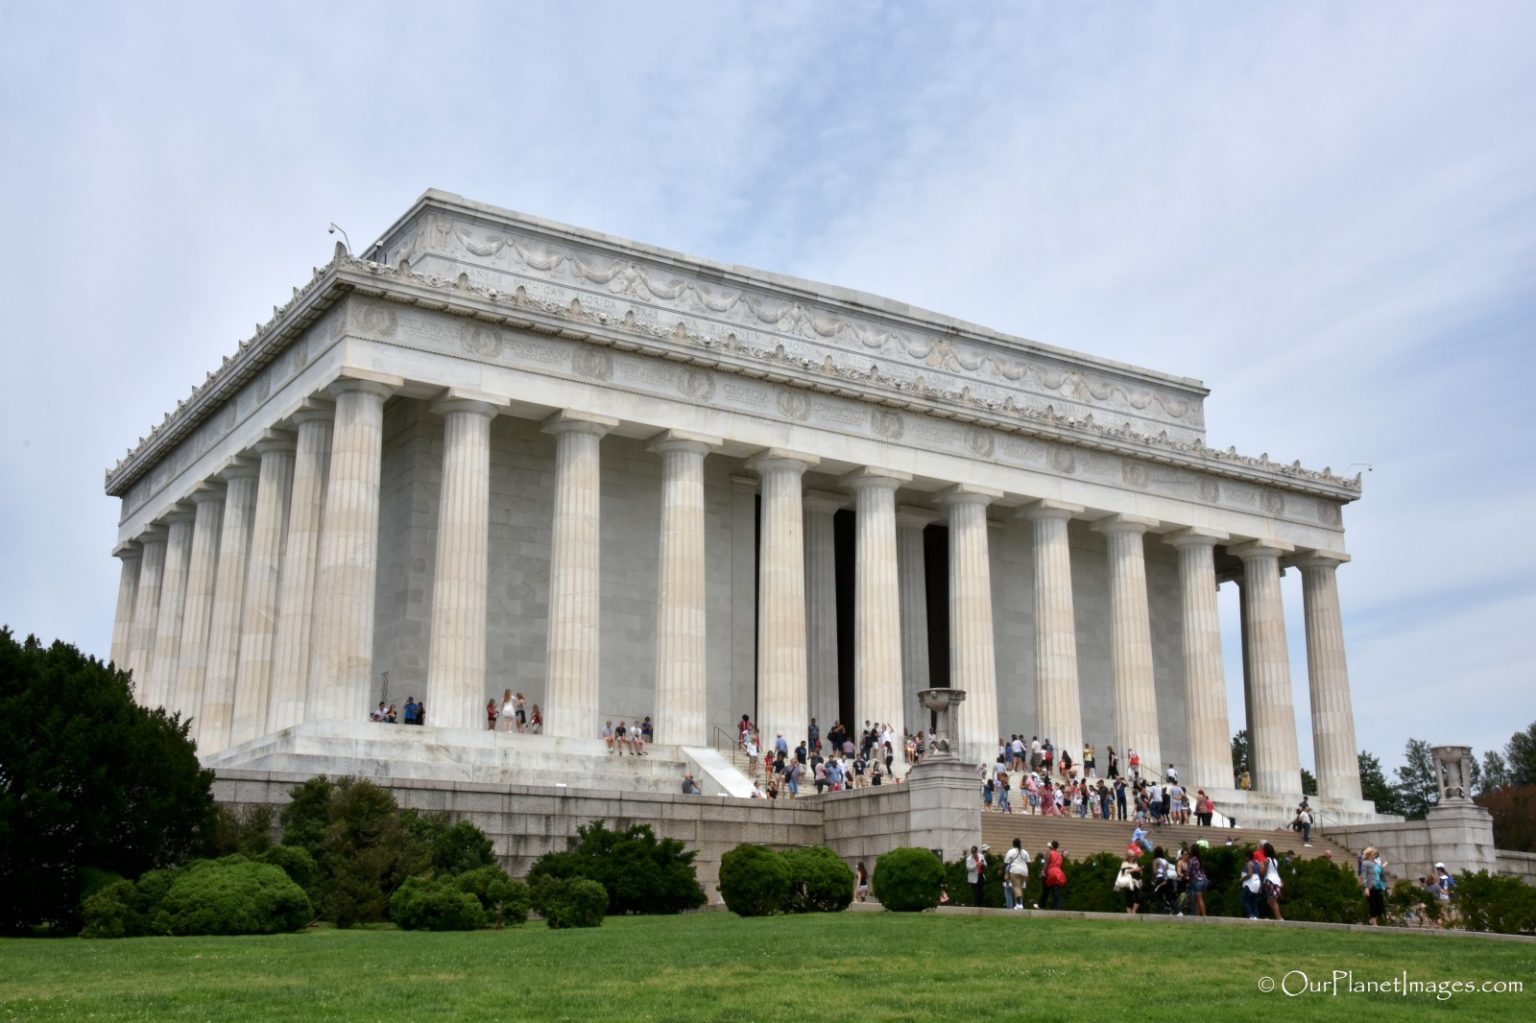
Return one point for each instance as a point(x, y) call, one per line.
point(1326, 212)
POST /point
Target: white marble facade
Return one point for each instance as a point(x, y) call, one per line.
point(641, 455)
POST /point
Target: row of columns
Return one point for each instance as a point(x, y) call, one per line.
point(253, 608)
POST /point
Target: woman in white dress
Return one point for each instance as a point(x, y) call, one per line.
point(508, 711)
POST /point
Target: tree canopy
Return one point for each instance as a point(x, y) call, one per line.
point(89, 782)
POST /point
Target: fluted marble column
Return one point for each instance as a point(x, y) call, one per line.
point(289, 693)
point(229, 596)
point(131, 554)
point(1272, 741)
point(1205, 685)
point(202, 564)
point(877, 602)
point(456, 658)
point(912, 565)
point(682, 609)
point(972, 654)
point(1130, 638)
point(346, 568)
point(573, 659)
point(1058, 705)
point(173, 594)
point(1333, 716)
point(146, 611)
point(783, 697)
point(263, 571)
point(821, 607)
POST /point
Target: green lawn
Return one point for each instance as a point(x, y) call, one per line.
point(858, 967)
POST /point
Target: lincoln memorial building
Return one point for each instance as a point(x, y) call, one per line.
point(496, 453)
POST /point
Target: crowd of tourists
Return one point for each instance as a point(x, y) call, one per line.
point(840, 760)
point(1032, 778)
point(388, 714)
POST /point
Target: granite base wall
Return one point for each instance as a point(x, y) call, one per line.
point(525, 822)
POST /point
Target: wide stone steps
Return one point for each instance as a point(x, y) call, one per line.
point(1085, 837)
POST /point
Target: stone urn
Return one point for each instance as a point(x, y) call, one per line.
point(939, 702)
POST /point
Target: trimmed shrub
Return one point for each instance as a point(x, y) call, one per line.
point(819, 882)
point(1488, 902)
point(640, 872)
point(296, 862)
point(232, 896)
point(907, 880)
point(112, 912)
point(959, 888)
point(754, 880)
point(435, 904)
point(1321, 891)
point(572, 902)
point(461, 847)
point(1408, 904)
point(504, 899)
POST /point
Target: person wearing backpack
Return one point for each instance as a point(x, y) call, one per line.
point(1015, 874)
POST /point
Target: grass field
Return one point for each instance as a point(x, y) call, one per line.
point(858, 967)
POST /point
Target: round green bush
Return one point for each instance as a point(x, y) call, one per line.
point(754, 880)
point(908, 880)
point(433, 904)
point(504, 899)
point(296, 862)
point(575, 902)
point(819, 882)
point(232, 896)
point(112, 912)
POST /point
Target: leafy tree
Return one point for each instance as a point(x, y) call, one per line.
point(88, 780)
point(1418, 782)
point(461, 847)
point(1375, 787)
point(1240, 758)
point(364, 845)
point(1308, 783)
point(640, 872)
point(1514, 816)
point(1520, 754)
point(1495, 772)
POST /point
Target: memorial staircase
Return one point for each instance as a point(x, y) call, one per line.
point(1080, 837)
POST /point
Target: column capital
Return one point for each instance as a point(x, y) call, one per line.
point(869, 476)
point(128, 550)
point(312, 409)
point(275, 440)
point(1137, 524)
point(155, 532)
point(473, 402)
point(239, 467)
point(1037, 511)
point(1194, 536)
point(908, 515)
point(777, 459)
point(824, 500)
point(207, 492)
point(572, 421)
point(683, 440)
point(1320, 559)
point(367, 382)
point(1258, 550)
point(965, 493)
point(182, 511)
